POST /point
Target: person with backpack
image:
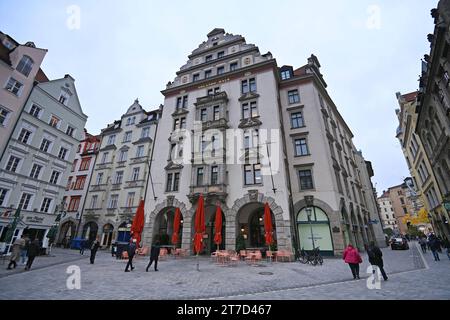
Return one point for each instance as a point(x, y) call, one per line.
point(376, 259)
point(353, 258)
point(434, 246)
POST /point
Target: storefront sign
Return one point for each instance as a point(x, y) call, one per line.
point(34, 219)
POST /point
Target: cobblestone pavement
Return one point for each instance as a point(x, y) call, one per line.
point(179, 279)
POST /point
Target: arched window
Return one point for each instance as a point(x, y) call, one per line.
point(25, 65)
point(314, 227)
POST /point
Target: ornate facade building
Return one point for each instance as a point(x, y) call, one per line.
point(119, 176)
point(242, 131)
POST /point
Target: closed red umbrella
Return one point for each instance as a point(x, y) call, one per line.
point(176, 226)
point(218, 227)
point(200, 227)
point(268, 224)
point(138, 223)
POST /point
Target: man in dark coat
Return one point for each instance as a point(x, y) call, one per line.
point(154, 254)
point(376, 259)
point(33, 250)
point(94, 247)
point(434, 246)
point(131, 252)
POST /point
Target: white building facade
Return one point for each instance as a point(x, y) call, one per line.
point(36, 163)
point(387, 212)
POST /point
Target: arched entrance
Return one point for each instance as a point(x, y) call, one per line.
point(210, 221)
point(314, 229)
point(250, 225)
point(67, 234)
point(107, 235)
point(90, 230)
point(163, 227)
point(123, 234)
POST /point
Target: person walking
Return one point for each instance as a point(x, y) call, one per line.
point(131, 252)
point(376, 259)
point(353, 258)
point(446, 245)
point(434, 246)
point(15, 253)
point(24, 249)
point(33, 250)
point(94, 247)
point(82, 246)
point(154, 254)
point(423, 244)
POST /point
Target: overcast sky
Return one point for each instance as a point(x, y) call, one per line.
point(122, 50)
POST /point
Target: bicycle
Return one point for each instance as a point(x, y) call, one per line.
point(314, 258)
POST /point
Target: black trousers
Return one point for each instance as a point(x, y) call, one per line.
point(93, 253)
point(30, 262)
point(424, 248)
point(150, 263)
point(130, 263)
point(12, 263)
point(355, 269)
point(383, 273)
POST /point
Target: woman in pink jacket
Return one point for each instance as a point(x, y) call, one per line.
point(353, 258)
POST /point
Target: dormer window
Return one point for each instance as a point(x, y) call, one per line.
point(131, 121)
point(286, 74)
point(25, 65)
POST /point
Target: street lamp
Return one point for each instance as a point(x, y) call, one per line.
point(308, 213)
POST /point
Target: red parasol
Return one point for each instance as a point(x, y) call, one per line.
point(138, 223)
point(200, 227)
point(268, 224)
point(218, 226)
point(176, 226)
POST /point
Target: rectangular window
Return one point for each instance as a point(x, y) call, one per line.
point(297, 120)
point(176, 123)
point(301, 148)
point(199, 176)
point(183, 123)
point(130, 200)
point(220, 70)
point(145, 133)
point(45, 144)
point(3, 193)
point(69, 183)
point(25, 201)
point(119, 177)
point(203, 114)
point(54, 177)
point(12, 164)
point(252, 84)
point(74, 204)
point(286, 74)
point(111, 139)
point(178, 103)
point(306, 180)
point(140, 151)
point(253, 109)
point(105, 157)
point(169, 182)
point(85, 164)
point(208, 74)
point(24, 135)
point(123, 155)
point(135, 175)
point(35, 171)
point(74, 165)
point(127, 136)
point(214, 175)
point(63, 98)
point(46, 205)
point(293, 96)
point(94, 202)
point(233, 66)
point(14, 86)
point(252, 174)
point(62, 153)
point(70, 130)
point(216, 113)
point(54, 122)
point(113, 200)
point(245, 111)
point(3, 116)
point(210, 92)
point(208, 58)
point(176, 181)
point(35, 111)
point(220, 54)
point(196, 77)
point(99, 178)
point(79, 183)
point(248, 86)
